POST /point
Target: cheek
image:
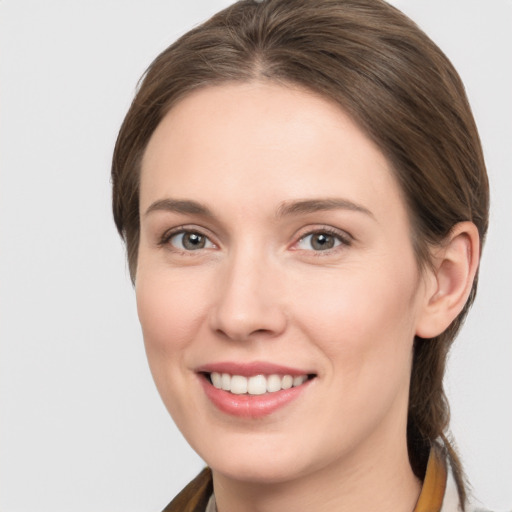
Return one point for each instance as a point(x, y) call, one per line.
point(364, 321)
point(357, 300)
point(169, 313)
point(170, 316)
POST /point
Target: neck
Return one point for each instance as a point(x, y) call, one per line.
point(381, 479)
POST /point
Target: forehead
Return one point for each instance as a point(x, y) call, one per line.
point(262, 139)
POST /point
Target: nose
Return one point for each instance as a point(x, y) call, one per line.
point(248, 303)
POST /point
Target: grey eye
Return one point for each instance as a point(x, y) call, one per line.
point(319, 242)
point(190, 241)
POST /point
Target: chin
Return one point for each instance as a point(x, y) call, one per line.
point(269, 472)
point(258, 459)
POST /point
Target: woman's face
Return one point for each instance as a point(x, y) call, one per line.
point(275, 251)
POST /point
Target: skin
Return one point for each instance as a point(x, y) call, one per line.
point(260, 291)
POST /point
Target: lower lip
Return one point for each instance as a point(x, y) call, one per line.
point(251, 406)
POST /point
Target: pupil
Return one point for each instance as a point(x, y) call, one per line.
point(193, 241)
point(323, 242)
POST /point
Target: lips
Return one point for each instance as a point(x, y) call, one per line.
point(254, 389)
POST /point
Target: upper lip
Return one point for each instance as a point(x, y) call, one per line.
point(250, 369)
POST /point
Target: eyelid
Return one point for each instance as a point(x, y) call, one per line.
point(170, 233)
point(345, 238)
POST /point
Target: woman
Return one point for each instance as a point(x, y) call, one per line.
point(303, 196)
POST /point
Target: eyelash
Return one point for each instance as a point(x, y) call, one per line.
point(181, 230)
point(343, 239)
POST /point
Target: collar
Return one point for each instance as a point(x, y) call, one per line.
point(434, 485)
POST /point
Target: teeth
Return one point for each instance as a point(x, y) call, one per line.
point(216, 380)
point(255, 385)
point(273, 383)
point(297, 381)
point(226, 382)
point(238, 384)
point(287, 382)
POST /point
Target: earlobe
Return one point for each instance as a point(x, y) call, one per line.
point(454, 267)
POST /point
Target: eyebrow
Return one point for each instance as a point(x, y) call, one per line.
point(287, 208)
point(179, 206)
point(317, 205)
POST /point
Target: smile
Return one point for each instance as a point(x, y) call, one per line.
point(252, 390)
point(256, 384)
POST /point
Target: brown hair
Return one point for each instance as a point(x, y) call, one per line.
point(393, 81)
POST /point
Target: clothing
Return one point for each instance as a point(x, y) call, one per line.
point(438, 494)
point(194, 497)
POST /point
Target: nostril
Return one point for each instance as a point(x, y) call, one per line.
point(262, 331)
point(241, 335)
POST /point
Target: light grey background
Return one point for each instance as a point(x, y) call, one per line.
point(82, 427)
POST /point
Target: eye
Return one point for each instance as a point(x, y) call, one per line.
point(189, 241)
point(321, 241)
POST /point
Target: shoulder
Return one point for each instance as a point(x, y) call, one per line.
point(472, 506)
point(451, 501)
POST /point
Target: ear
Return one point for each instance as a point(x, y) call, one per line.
point(450, 280)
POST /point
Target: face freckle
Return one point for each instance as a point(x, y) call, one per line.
point(305, 265)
